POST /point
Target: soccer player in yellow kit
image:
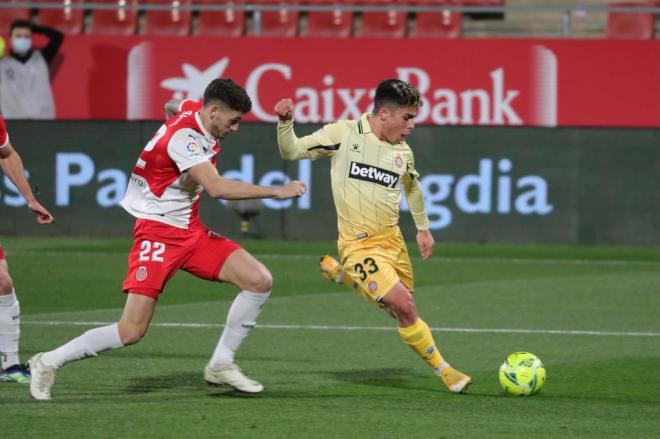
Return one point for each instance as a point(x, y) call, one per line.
point(370, 161)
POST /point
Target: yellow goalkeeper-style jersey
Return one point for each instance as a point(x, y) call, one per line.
point(366, 174)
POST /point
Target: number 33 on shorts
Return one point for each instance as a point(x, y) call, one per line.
point(378, 272)
point(368, 266)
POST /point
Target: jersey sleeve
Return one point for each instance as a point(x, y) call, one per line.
point(414, 193)
point(4, 136)
point(190, 105)
point(185, 149)
point(322, 143)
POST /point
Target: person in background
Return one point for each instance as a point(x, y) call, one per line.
point(25, 91)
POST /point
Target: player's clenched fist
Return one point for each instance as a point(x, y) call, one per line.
point(43, 216)
point(294, 188)
point(284, 109)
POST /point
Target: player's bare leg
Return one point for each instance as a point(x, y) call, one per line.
point(255, 281)
point(414, 331)
point(130, 329)
point(135, 320)
point(11, 371)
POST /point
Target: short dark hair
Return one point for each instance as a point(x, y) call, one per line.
point(20, 23)
point(396, 93)
point(229, 93)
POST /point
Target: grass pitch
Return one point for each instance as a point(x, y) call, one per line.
point(333, 366)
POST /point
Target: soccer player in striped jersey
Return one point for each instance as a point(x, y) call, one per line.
point(163, 194)
point(370, 162)
point(11, 369)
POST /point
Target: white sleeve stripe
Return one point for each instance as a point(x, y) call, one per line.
point(6, 143)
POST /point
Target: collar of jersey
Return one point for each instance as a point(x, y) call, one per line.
point(207, 135)
point(366, 127)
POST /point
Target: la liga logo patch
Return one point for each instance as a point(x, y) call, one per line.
point(193, 148)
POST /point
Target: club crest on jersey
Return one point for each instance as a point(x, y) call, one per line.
point(373, 286)
point(193, 147)
point(398, 161)
point(141, 274)
point(374, 174)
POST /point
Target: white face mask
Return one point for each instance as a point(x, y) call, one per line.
point(21, 45)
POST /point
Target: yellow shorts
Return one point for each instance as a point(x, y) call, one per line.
point(377, 263)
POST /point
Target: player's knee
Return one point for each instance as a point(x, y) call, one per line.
point(261, 281)
point(405, 308)
point(6, 284)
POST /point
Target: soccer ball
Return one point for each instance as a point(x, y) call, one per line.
point(522, 374)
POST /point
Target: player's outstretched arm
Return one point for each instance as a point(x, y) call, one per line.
point(322, 143)
point(12, 166)
point(287, 141)
point(219, 187)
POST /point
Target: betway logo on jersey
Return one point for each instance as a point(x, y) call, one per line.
point(373, 174)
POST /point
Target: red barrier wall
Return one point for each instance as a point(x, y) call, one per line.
point(465, 82)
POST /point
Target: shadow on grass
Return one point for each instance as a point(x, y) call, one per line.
point(396, 378)
point(162, 355)
point(385, 377)
point(184, 381)
point(150, 384)
point(400, 378)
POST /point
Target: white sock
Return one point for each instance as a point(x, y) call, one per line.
point(241, 319)
point(10, 331)
point(90, 344)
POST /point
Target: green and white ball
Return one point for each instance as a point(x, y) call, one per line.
point(522, 374)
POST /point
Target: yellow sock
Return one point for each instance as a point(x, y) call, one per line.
point(420, 340)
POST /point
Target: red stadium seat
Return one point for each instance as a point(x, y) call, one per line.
point(444, 24)
point(8, 15)
point(172, 22)
point(120, 21)
point(65, 19)
point(225, 23)
point(387, 24)
point(630, 25)
point(333, 24)
point(280, 23)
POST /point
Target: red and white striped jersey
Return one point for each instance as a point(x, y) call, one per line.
point(4, 136)
point(160, 189)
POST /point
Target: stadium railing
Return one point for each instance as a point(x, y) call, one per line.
point(262, 17)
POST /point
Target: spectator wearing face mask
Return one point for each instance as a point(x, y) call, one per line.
point(25, 91)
